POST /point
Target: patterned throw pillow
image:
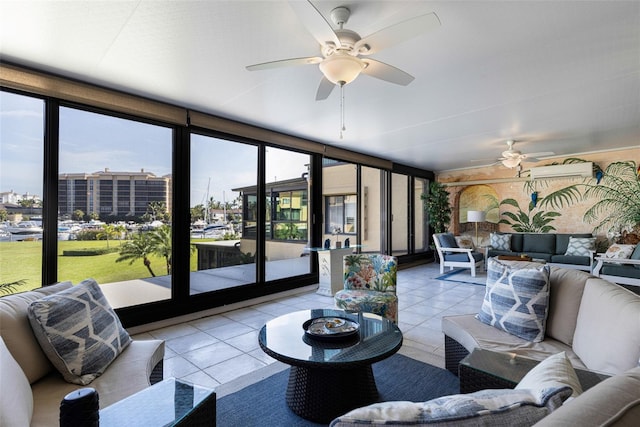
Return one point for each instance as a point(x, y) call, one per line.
point(581, 246)
point(554, 371)
point(516, 300)
point(619, 251)
point(464, 242)
point(500, 242)
point(78, 331)
point(486, 407)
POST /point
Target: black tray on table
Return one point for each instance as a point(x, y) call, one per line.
point(330, 328)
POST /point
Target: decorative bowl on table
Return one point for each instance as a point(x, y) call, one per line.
point(330, 328)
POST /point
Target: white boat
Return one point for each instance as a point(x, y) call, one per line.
point(25, 230)
point(211, 231)
point(25, 227)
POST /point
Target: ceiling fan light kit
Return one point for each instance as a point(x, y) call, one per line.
point(511, 162)
point(342, 68)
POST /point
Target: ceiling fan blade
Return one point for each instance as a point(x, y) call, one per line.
point(315, 23)
point(397, 33)
point(324, 89)
point(540, 154)
point(285, 63)
point(386, 72)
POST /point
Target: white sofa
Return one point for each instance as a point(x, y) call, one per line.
point(32, 389)
point(596, 322)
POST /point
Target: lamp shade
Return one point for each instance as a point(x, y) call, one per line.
point(341, 68)
point(476, 216)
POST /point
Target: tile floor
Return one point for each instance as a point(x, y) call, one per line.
point(217, 349)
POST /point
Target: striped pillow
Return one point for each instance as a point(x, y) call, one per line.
point(516, 300)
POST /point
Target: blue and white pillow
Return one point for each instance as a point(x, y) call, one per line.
point(502, 407)
point(500, 242)
point(581, 246)
point(78, 331)
point(516, 300)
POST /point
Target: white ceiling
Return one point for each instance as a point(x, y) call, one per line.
point(560, 76)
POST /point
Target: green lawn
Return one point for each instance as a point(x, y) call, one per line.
point(23, 261)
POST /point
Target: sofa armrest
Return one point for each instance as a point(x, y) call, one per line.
point(600, 261)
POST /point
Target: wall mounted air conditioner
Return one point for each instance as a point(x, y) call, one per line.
point(584, 169)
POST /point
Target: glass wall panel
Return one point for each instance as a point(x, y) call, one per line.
point(399, 214)
point(21, 168)
point(287, 213)
point(339, 182)
point(223, 186)
point(420, 225)
point(372, 210)
point(114, 206)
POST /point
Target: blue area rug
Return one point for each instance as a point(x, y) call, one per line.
point(463, 275)
point(398, 378)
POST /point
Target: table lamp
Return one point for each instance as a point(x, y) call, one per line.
point(476, 216)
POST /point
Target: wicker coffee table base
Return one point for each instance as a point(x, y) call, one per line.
point(320, 394)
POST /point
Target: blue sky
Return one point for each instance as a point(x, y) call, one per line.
point(91, 142)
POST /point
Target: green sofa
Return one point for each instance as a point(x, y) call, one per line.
point(550, 247)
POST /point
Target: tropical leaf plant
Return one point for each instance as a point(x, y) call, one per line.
point(436, 203)
point(616, 196)
point(8, 288)
point(528, 222)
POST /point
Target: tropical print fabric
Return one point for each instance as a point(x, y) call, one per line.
point(372, 272)
point(370, 285)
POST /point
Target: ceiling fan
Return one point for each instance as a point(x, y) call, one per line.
point(512, 158)
point(344, 52)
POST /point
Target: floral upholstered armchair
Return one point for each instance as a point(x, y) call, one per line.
point(370, 285)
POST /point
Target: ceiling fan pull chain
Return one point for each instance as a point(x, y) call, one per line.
point(342, 127)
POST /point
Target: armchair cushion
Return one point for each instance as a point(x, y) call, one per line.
point(78, 331)
point(381, 303)
point(447, 240)
point(463, 257)
point(370, 272)
point(370, 285)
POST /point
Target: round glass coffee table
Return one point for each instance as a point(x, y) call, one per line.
point(329, 376)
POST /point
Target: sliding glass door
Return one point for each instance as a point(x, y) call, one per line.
point(223, 243)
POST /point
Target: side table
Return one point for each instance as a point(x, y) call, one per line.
point(170, 402)
point(486, 369)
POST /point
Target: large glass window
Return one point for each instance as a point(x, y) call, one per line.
point(224, 240)
point(21, 166)
point(372, 212)
point(115, 206)
point(287, 213)
point(399, 214)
